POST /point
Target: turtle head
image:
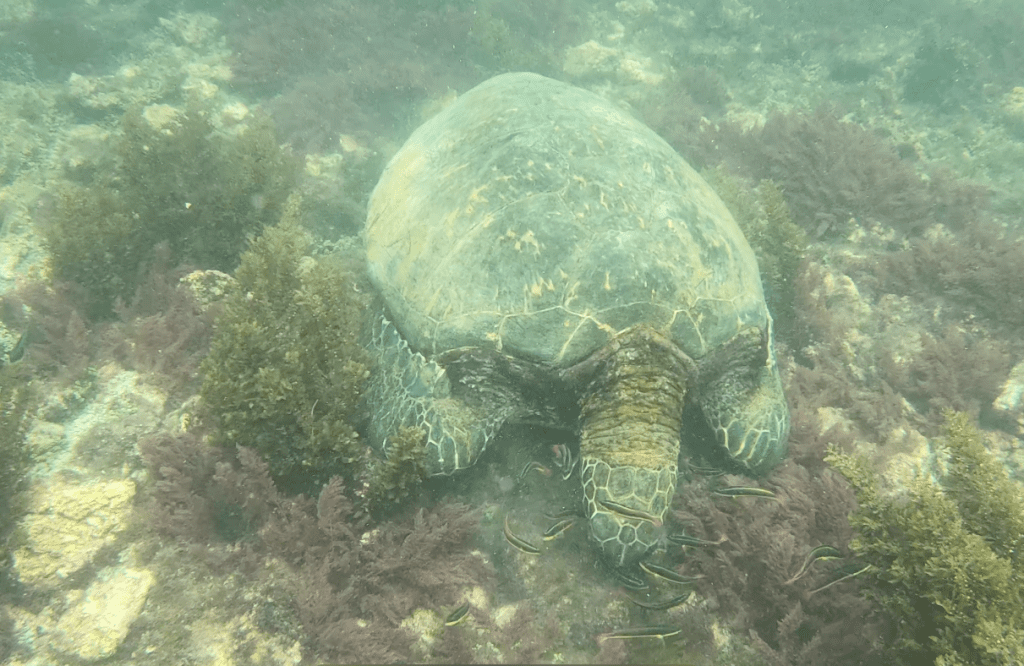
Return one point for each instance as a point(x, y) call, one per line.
point(625, 507)
point(629, 442)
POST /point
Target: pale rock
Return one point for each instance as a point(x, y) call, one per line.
point(426, 625)
point(162, 117)
point(209, 286)
point(238, 641)
point(1012, 108)
point(44, 438)
point(1010, 402)
point(200, 88)
point(233, 113)
point(639, 70)
point(83, 145)
point(67, 524)
point(503, 615)
point(637, 7)
point(98, 621)
point(590, 58)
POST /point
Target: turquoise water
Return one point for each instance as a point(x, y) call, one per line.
point(871, 152)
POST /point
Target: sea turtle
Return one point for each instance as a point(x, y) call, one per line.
point(543, 255)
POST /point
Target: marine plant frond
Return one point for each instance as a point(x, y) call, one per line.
point(946, 552)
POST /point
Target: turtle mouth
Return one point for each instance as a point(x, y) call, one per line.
point(624, 540)
point(625, 507)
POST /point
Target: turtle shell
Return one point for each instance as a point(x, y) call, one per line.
point(538, 219)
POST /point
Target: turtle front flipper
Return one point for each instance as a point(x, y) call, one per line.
point(407, 390)
point(630, 418)
point(740, 394)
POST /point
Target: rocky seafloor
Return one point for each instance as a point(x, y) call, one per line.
point(132, 534)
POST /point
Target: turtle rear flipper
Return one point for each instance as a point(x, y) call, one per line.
point(407, 390)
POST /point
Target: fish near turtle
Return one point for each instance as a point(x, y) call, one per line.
point(544, 256)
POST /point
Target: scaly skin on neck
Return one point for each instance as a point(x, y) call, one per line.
point(629, 444)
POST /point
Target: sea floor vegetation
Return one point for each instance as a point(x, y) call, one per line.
point(183, 308)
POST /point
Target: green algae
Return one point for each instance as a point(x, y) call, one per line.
point(778, 242)
point(180, 182)
point(285, 371)
point(946, 554)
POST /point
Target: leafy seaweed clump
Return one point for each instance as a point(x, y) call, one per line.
point(15, 454)
point(94, 243)
point(977, 267)
point(947, 555)
point(779, 243)
point(391, 481)
point(350, 587)
point(15, 459)
point(285, 371)
point(837, 175)
point(178, 180)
